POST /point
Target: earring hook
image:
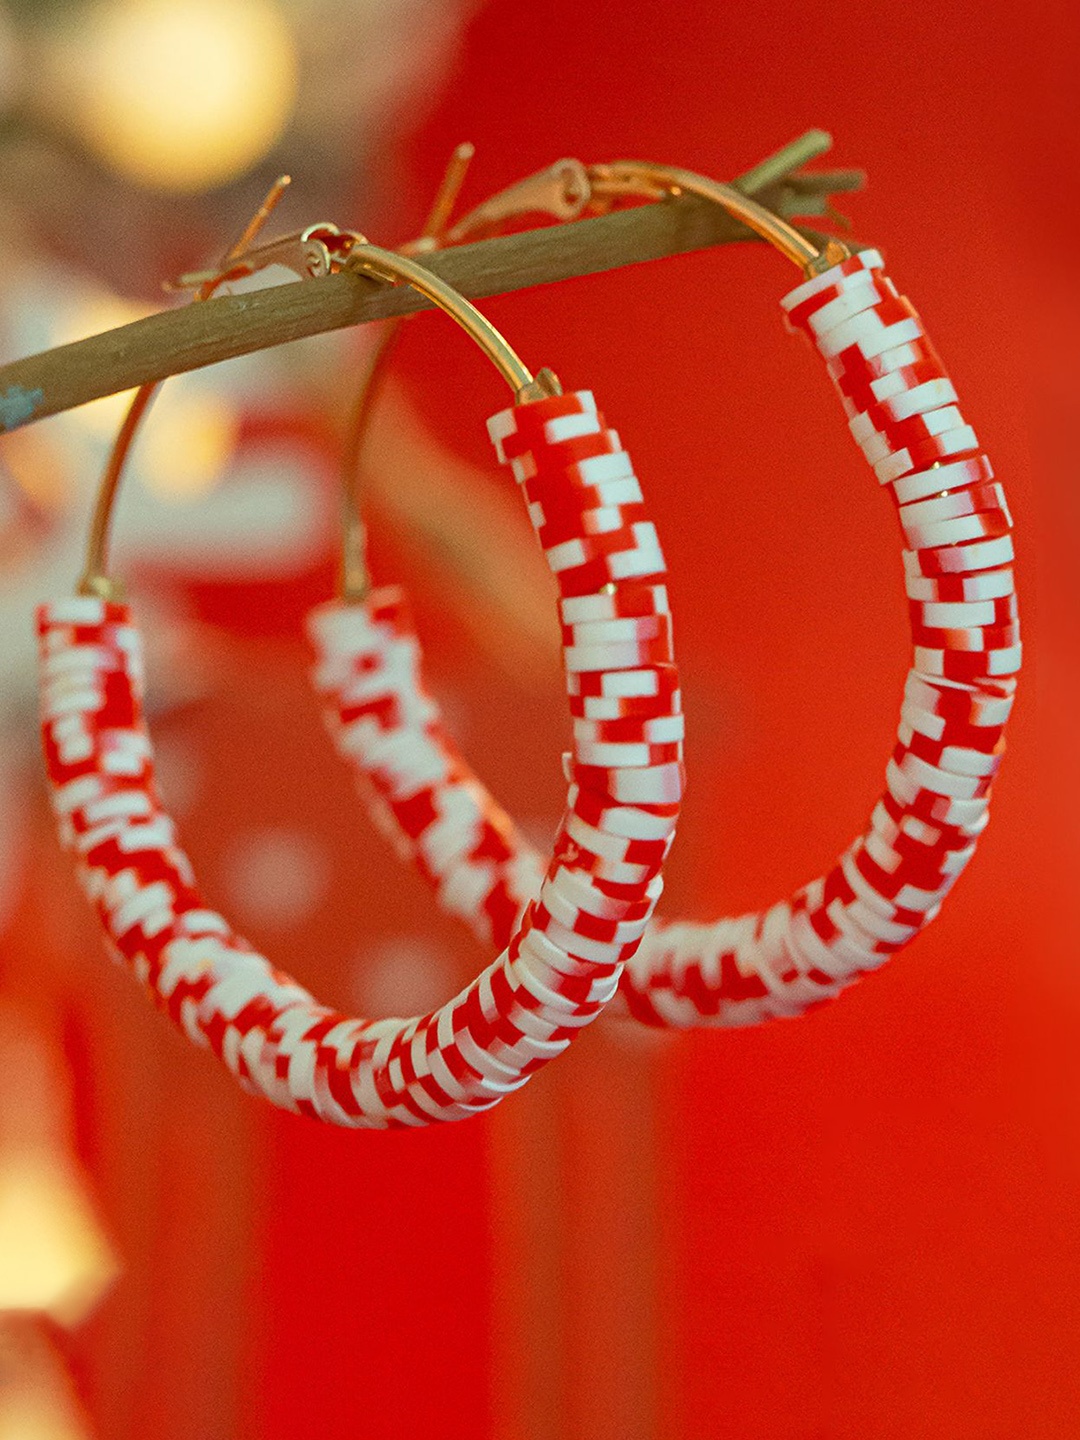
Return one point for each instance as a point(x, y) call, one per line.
point(564, 190)
point(393, 269)
point(346, 250)
point(569, 189)
point(622, 177)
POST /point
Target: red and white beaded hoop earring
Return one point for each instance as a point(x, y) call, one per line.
point(561, 963)
point(957, 559)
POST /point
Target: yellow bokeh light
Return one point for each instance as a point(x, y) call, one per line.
point(185, 94)
point(53, 1257)
point(187, 445)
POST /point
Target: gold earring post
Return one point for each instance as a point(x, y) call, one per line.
point(623, 176)
point(350, 252)
point(569, 189)
point(395, 269)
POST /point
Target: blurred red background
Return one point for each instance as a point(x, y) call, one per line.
point(859, 1224)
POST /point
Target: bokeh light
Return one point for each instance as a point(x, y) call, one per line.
point(183, 95)
point(53, 1257)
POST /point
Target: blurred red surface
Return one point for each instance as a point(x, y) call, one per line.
point(860, 1224)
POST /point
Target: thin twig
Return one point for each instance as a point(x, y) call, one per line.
point(189, 338)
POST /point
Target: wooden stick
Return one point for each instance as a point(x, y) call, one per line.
point(193, 336)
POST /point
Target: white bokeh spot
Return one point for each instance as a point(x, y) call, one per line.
point(405, 975)
point(276, 878)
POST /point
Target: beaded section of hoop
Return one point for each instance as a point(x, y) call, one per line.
point(562, 962)
point(890, 883)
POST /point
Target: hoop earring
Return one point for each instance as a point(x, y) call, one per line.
point(957, 557)
point(563, 961)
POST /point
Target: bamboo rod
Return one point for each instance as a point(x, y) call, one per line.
point(193, 336)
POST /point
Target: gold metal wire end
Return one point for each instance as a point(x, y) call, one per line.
point(545, 384)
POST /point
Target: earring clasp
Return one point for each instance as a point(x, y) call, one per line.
point(317, 250)
point(570, 189)
point(561, 191)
